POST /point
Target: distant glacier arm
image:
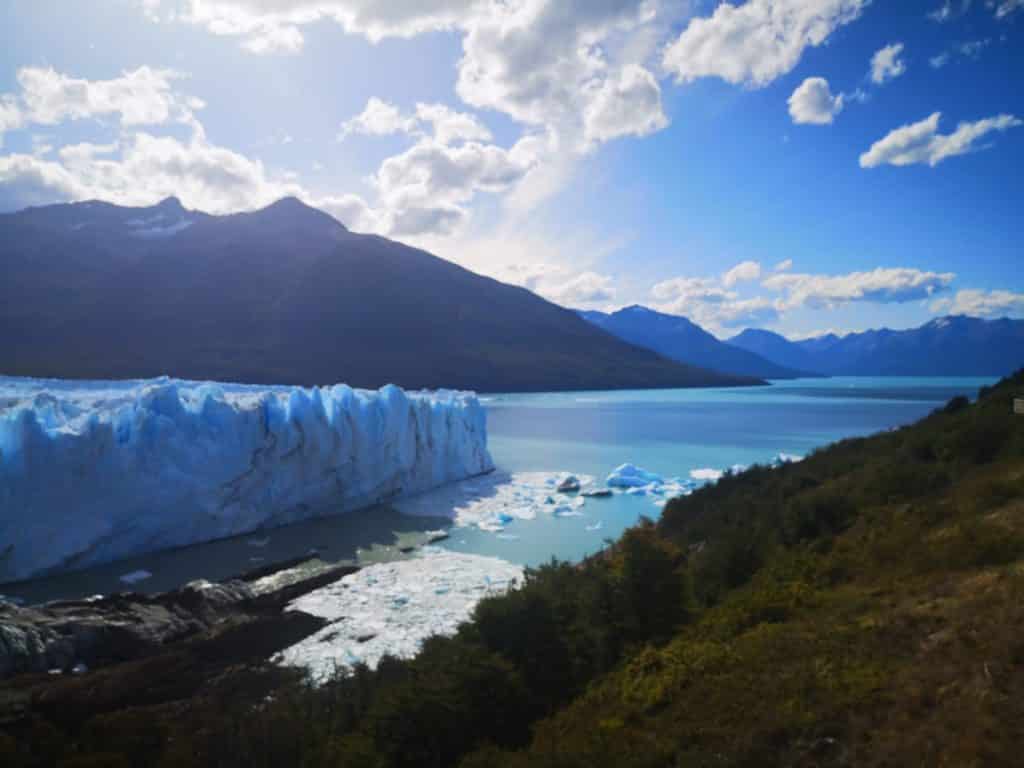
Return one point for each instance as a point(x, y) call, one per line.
point(96, 471)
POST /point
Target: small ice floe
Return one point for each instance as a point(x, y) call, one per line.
point(709, 475)
point(391, 608)
point(79, 669)
point(438, 535)
point(136, 576)
point(596, 526)
point(507, 537)
point(494, 502)
point(597, 493)
point(639, 482)
point(786, 458)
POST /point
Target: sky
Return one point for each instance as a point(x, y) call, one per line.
point(806, 166)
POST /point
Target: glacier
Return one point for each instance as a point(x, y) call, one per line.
point(91, 472)
point(391, 608)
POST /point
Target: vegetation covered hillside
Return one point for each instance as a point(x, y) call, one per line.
point(863, 607)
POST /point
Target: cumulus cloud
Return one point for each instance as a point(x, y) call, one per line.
point(784, 266)
point(579, 290)
point(143, 96)
point(921, 142)
point(882, 285)
point(754, 43)
point(886, 64)
point(977, 303)
point(142, 170)
point(710, 304)
point(627, 106)
point(378, 118)
point(812, 103)
point(744, 272)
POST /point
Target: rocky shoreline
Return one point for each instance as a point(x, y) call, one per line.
point(72, 660)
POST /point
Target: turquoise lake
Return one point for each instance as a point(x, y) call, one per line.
point(669, 432)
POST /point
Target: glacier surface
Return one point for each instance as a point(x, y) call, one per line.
point(94, 471)
point(391, 608)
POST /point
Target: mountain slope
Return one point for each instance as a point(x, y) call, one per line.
point(284, 295)
point(947, 346)
point(680, 339)
point(775, 347)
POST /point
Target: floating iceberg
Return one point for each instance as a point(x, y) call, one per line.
point(92, 472)
point(631, 476)
point(391, 608)
point(493, 502)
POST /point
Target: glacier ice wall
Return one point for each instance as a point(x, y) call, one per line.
point(91, 472)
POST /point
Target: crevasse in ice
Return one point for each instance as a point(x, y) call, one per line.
point(94, 471)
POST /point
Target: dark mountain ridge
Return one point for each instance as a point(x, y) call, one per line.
point(680, 339)
point(284, 295)
point(955, 345)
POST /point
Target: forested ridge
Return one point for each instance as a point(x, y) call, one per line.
point(862, 607)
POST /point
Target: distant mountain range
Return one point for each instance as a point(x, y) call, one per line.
point(680, 339)
point(947, 346)
point(285, 295)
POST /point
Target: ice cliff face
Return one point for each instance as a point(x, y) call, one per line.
point(91, 472)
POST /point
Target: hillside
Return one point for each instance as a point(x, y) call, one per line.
point(947, 346)
point(862, 607)
point(284, 295)
point(680, 339)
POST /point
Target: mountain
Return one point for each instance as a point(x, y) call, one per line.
point(284, 295)
point(680, 339)
point(775, 347)
point(947, 346)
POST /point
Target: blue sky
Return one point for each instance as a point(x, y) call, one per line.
point(803, 165)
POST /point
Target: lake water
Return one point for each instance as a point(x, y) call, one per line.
point(670, 432)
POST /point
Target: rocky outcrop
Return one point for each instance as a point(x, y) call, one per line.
point(62, 636)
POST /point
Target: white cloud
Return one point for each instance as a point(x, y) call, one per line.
point(10, 115)
point(886, 64)
point(275, 26)
point(976, 303)
point(143, 169)
point(939, 60)
point(922, 143)
point(450, 126)
point(1004, 8)
point(949, 10)
point(754, 43)
point(378, 118)
point(628, 106)
point(812, 103)
point(576, 290)
point(710, 304)
point(744, 272)
point(882, 285)
point(143, 96)
point(784, 266)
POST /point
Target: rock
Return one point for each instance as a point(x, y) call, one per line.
point(80, 634)
point(569, 485)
